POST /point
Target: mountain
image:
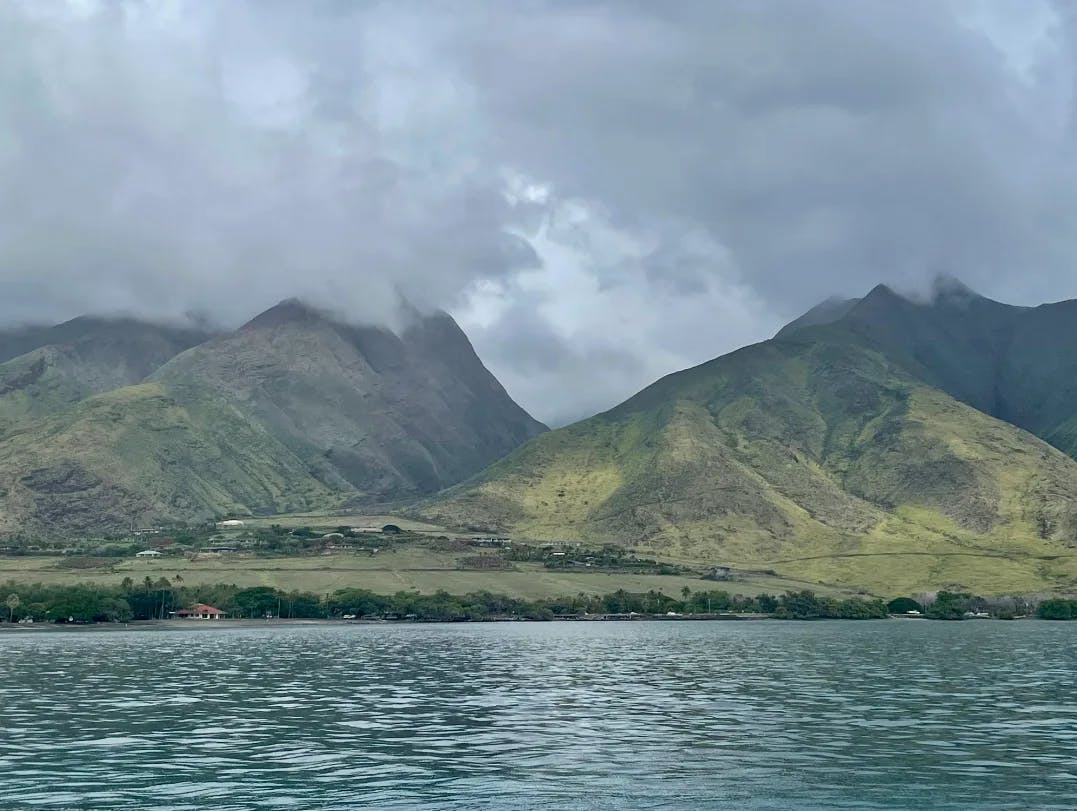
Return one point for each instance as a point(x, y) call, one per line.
point(44, 370)
point(295, 410)
point(1014, 363)
point(837, 452)
point(826, 312)
point(391, 415)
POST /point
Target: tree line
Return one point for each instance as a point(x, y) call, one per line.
point(162, 598)
point(1057, 610)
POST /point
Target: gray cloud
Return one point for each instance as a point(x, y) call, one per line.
point(206, 157)
point(602, 193)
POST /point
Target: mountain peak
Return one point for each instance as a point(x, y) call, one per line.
point(949, 289)
point(289, 311)
point(825, 312)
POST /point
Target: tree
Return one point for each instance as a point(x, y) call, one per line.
point(766, 603)
point(391, 529)
point(949, 606)
point(258, 600)
point(12, 602)
point(903, 605)
point(1057, 610)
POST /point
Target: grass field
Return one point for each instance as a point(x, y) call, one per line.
point(409, 568)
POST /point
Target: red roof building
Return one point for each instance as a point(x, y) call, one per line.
point(201, 611)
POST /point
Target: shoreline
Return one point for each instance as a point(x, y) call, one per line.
point(221, 625)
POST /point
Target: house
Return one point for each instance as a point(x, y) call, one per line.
point(148, 553)
point(231, 522)
point(201, 611)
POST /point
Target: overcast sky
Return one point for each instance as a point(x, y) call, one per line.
point(600, 192)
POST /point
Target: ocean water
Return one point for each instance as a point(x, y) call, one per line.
point(640, 715)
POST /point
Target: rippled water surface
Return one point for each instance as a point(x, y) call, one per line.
point(749, 715)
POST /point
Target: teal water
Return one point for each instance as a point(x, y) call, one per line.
point(671, 715)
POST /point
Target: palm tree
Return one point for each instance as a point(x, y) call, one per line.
point(12, 602)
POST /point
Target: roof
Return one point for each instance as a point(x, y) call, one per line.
point(148, 553)
point(201, 608)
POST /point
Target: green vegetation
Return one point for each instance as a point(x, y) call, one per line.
point(161, 599)
point(423, 568)
point(903, 605)
point(875, 446)
point(805, 605)
point(328, 552)
point(1057, 610)
point(948, 606)
point(820, 459)
point(117, 426)
point(605, 558)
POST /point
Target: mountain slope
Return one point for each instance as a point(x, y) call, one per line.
point(1015, 363)
point(294, 411)
point(53, 368)
point(138, 455)
point(391, 415)
point(820, 459)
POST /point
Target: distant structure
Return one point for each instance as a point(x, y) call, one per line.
point(491, 541)
point(718, 573)
point(201, 611)
point(148, 553)
point(231, 522)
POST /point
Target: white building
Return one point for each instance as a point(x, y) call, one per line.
point(148, 553)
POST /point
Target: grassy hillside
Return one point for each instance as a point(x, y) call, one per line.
point(136, 455)
point(1014, 363)
point(46, 370)
point(821, 460)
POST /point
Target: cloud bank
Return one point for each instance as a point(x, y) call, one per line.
point(600, 192)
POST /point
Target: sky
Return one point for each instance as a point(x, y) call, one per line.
point(600, 192)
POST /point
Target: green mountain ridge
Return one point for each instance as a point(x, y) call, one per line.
point(836, 452)
point(1014, 363)
point(47, 369)
point(293, 411)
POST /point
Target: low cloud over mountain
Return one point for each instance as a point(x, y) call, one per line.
point(601, 193)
